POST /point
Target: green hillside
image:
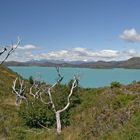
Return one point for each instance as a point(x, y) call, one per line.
point(6, 79)
point(108, 113)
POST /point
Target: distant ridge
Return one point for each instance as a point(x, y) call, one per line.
point(133, 63)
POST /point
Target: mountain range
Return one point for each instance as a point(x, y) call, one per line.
point(133, 62)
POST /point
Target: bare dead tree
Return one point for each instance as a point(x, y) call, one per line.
point(19, 91)
point(58, 112)
point(9, 51)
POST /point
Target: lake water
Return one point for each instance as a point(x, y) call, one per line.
point(88, 77)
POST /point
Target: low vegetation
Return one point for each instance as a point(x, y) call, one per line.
point(108, 113)
point(37, 114)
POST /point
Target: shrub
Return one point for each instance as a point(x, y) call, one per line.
point(31, 81)
point(36, 114)
point(115, 84)
point(122, 100)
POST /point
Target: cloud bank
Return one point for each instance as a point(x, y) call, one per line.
point(75, 54)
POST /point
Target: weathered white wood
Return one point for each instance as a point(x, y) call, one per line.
point(58, 112)
point(58, 122)
point(19, 92)
point(74, 85)
point(37, 90)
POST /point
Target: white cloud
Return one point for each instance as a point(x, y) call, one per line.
point(130, 35)
point(107, 53)
point(75, 54)
point(131, 53)
point(26, 47)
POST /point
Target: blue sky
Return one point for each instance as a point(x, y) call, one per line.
point(71, 29)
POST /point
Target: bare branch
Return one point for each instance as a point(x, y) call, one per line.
point(4, 50)
point(37, 89)
point(40, 95)
point(74, 85)
point(13, 48)
point(43, 126)
point(51, 100)
point(60, 78)
point(30, 92)
point(20, 94)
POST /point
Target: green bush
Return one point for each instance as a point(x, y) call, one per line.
point(36, 114)
point(122, 100)
point(115, 84)
point(31, 81)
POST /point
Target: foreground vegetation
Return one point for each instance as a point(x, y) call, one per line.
point(108, 113)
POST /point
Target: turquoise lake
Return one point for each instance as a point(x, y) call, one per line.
point(88, 77)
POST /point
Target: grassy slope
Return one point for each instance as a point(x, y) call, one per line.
point(8, 110)
point(104, 114)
